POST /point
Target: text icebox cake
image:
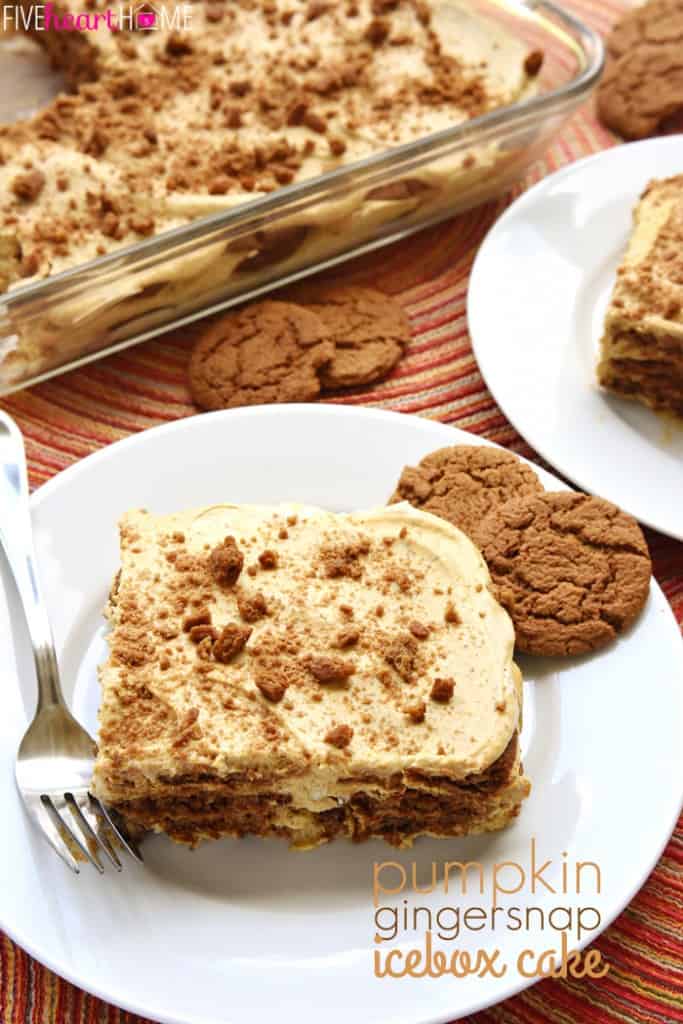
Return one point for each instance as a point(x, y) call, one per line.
point(286, 671)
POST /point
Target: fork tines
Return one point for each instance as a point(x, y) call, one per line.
point(80, 828)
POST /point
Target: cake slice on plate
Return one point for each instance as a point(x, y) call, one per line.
point(642, 347)
point(286, 671)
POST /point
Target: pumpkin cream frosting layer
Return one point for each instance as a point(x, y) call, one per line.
point(270, 665)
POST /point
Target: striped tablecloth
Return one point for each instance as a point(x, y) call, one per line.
point(67, 418)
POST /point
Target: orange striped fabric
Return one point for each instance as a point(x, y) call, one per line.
point(67, 418)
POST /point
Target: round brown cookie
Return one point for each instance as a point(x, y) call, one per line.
point(573, 571)
point(464, 483)
point(658, 22)
point(369, 330)
point(641, 92)
point(268, 352)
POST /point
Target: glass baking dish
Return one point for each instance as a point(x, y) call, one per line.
point(180, 275)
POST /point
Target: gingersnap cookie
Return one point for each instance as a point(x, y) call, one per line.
point(573, 571)
point(267, 352)
point(464, 483)
point(369, 330)
point(641, 92)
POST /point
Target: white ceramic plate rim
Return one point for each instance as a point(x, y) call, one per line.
point(23, 936)
point(517, 406)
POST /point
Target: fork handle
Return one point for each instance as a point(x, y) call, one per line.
point(17, 542)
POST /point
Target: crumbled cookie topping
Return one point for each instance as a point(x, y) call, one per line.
point(198, 633)
point(451, 614)
point(28, 186)
point(199, 618)
point(442, 690)
point(268, 559)
point(330, 670)
point(252, 607)
point(339, 560)
point(416, 711)
point(226, 561)
point(272, 688)
point(347, 637)
point(340, 736)
point(401, 653)
point(230, 641)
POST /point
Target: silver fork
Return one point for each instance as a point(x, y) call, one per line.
point(56, 756)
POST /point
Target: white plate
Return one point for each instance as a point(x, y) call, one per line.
point(241, 930)
point(537, 298)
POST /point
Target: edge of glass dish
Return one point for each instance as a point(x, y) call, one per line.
point(254, 215)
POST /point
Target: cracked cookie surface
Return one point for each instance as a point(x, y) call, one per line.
point(641, 92)
point(267, 352)
point(369, 329)
point(464, 483)
point(573, 571)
